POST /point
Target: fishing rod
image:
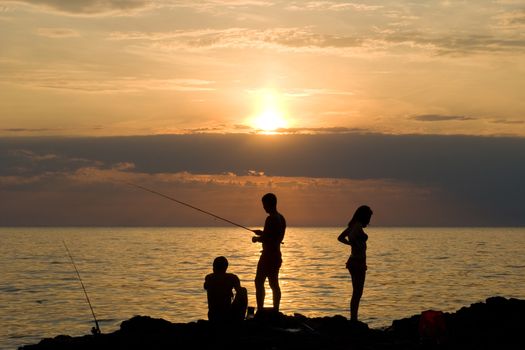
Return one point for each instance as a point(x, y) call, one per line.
point(95, 330)
point(188, 205)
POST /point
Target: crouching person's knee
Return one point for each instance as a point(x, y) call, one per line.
point(239, 305)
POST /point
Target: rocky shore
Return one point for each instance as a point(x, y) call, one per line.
point(498, 323)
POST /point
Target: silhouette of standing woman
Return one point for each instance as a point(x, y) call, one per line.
point(270, 261)
point(355, 237)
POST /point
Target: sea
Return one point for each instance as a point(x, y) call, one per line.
point(160, 272)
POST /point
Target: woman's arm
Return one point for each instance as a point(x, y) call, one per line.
point(344, 237)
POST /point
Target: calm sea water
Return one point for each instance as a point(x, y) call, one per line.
point(160, 272)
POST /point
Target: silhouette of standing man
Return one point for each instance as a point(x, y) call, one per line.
point(270, 261)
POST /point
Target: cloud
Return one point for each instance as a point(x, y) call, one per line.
point(459, 179)
point(49, 131)
point(28, 130)
point(291, 37)
point(124, 166)
point(255, 173)
point(440, 118)
point(446, 43)
point(386, 36)
point(472, 44)
point(90, 7)
point(242, 127)
point(86, 81)
point(512, 20)
point(96, 196)
point(330, 6)
point(324, 155)
point(316, 92)
point(508, 121)
point(32, 156)
point(219, 6)
point(320, 130)
point(305, 39)
point(58, 32)
point(28, 162)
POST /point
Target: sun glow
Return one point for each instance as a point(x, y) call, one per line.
point(270, 117)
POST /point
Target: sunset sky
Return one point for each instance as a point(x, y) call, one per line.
point(414, 107)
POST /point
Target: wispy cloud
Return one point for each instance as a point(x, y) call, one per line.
point(316, 92)
point(85, 81)
point(281, 39)
point(441, 118)
point(51, 131)
point(27, 130)
point(305, 39)
point(89, 7)
point(331, 6)
point(402, 28)
point(508, 121)
point(295, 131)
point(32, 156)
point(511, 20)
point(219, 6)
point(58, 32)
point(242, 38)
point(321, 130)
point(26, 162)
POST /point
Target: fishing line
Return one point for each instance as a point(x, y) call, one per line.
point(96, 329)
point(188, 205)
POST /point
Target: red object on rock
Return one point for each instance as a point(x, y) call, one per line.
point(432, 326)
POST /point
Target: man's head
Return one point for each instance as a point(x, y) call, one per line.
point(220, 264)
point(269, 201)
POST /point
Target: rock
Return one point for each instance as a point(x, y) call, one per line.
point(496, 324)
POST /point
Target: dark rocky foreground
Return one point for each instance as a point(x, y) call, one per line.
point(498, 323)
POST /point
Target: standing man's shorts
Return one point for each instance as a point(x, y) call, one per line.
point(269, 264)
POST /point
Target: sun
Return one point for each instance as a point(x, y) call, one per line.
point(269, 120)
point(270, 116)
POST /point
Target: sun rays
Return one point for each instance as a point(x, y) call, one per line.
point(270, 116)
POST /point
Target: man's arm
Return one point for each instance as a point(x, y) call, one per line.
point(261, 234)
point(236, 283)
point(258, 237)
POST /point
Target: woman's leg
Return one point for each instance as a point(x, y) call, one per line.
point(358, 284)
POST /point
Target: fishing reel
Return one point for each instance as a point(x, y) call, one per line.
point(95, 330)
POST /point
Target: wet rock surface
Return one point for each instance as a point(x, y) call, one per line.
point(498, 323)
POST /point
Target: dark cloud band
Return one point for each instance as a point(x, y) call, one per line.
point(473, 172)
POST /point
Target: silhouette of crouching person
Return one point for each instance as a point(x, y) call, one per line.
point(223, 306)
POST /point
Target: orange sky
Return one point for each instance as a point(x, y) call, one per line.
point(153, 67)
point(415, 107)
